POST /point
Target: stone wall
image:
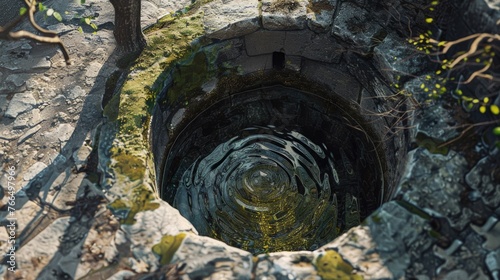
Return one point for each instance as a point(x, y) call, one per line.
point(441, 222)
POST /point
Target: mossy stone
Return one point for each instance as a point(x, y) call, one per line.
point(331, 266)
point(167, 247)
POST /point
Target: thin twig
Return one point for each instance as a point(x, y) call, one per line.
point(48, 36)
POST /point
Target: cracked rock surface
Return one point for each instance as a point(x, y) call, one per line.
point(444, 222)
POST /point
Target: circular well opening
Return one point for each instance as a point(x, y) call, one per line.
point(274, 169)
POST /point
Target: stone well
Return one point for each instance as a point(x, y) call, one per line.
point(433, 212)
point(251, 46)
point(352, 54)
point(301, 59)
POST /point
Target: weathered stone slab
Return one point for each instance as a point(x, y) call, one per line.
point(323, 48)
point(297, 43)
point(434, 183)
point(60, 134)
point(17, 79)
point(285, 265)
point(357, 247)
point(435, 122)
point(481, 179)
point(150, 226)
point(320, 14)
point(284, 14)
point(228, 19)
point(394, 229)
point(43, 246)
point(20, 103)
point(34, 170)
point(250, 64)
point(75, 93)
point(395, 58)
point(13, 63)
point(264, 42)
point(353, 25)
point(206, 257)
point(336, 78)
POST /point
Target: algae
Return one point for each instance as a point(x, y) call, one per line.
point(188, 77)
point(433, 145)
point(141, 200)
point(174, 37)
point(129, 165)
point(167, 247)
point(331, 265)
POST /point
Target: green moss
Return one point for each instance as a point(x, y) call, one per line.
point(118, 204)
point(170, 39)
point(140, 200)
point(188, 77)
point(432, 145)
point(331, 265)
point(167, 247)
point(173, 38)
point(129, 165)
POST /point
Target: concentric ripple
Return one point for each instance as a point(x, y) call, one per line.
point(273, 170)
point(270, 185)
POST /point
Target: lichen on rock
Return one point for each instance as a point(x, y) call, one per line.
point(167, 247)
point(331, 265)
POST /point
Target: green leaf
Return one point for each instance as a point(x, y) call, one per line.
point(494, 109)
point(93, 26)
point(50, 12)
point(496, 130)
point(80, 29)
point(41, 7)
point(82, 2)
point(57, 16)
point(22, 11)
point(87, 21)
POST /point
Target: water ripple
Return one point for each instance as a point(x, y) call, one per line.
point(261, 192)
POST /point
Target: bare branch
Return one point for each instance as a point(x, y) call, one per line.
point(480, 73)
point(47, 36)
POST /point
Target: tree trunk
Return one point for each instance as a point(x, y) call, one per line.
point(128, 32)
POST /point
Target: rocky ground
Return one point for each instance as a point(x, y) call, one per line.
point(50, 114)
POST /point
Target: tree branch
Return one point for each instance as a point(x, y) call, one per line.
point(47, 36)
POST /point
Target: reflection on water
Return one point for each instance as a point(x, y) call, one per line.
point(268, 179)
point(261, 191)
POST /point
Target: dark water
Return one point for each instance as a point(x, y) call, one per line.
point(273, 170)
